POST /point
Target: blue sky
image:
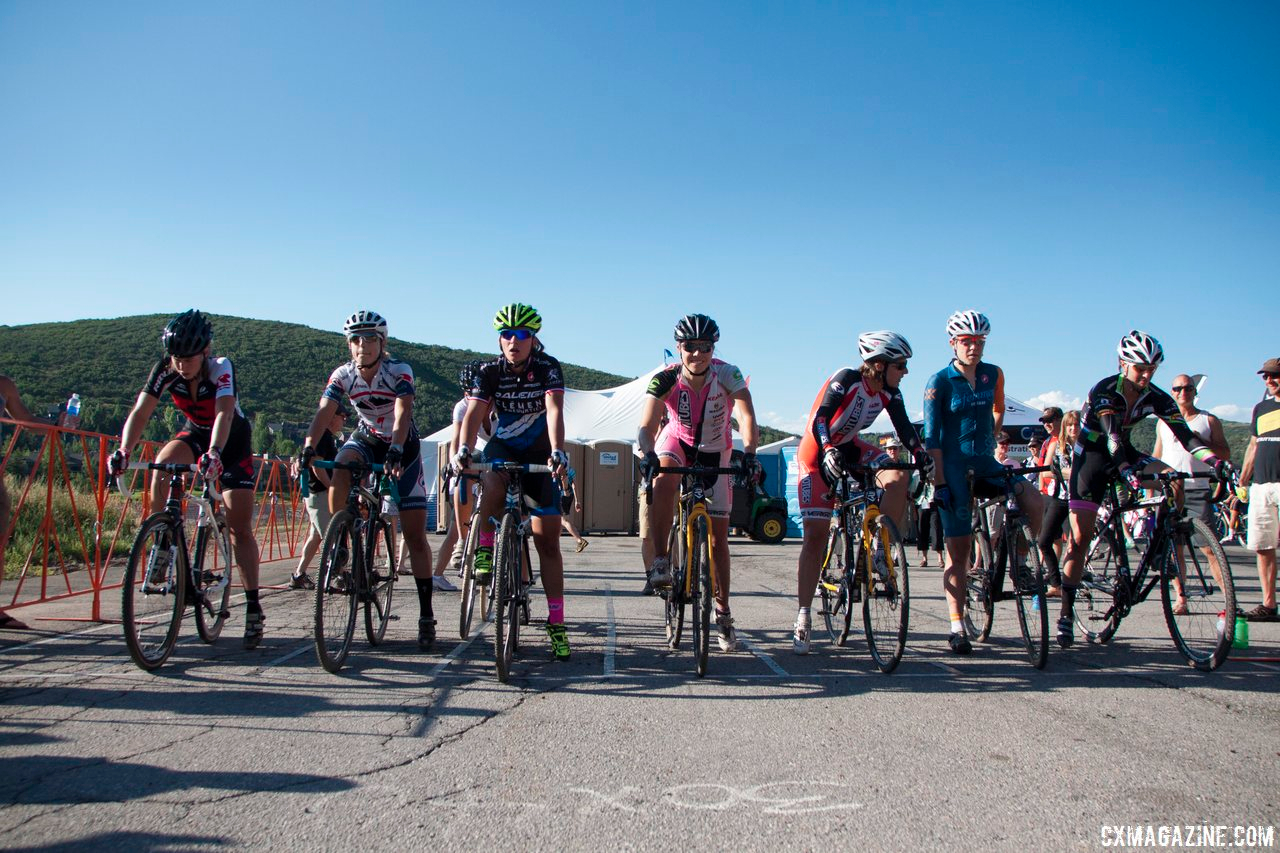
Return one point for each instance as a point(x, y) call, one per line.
point(801, 171)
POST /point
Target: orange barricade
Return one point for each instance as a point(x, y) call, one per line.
point(68, 532)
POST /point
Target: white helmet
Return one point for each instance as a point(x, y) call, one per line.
point(886, 345)
point(363, 322)
point(1140, 348)
point(968, 322)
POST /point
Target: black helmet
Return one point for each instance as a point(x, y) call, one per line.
point(187, 334)
point(697, 327)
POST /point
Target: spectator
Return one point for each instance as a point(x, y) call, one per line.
point(11, 406)
point(930, 526)
point(317, 498)
point(568, 503)
point(455, 538)
point(1063, 430)
point(1261, 473)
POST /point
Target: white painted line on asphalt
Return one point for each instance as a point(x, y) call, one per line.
point(951, 670)
point(293, 654)
point(457, 652)
point(59, 637)
point(611, 640)
point(1266, 666)
point(763, 658)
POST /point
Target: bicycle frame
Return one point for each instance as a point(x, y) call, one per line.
point(208, 502)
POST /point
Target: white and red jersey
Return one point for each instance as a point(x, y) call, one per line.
point(195, 399)
point(846, 407)
point(699, 418)
point(374, 401)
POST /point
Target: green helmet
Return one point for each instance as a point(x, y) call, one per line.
point(517, 315)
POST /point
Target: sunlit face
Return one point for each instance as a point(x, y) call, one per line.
point(1002, 450)
point(1272, 381)
point(893, 373)
point(696, 355)
point(1070, 432)
point(365, 349)
point(969, 348)
point(1138, 374)
point(516, 344)
point(188, 366)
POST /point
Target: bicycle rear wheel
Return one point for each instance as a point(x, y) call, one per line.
point(336, 591)
point(886, 607)
point(700, 565)
point(506, 576)
point(380, 563)
point(979, 608)
point(1097, 610)
point(470, 589)
point(675, 596)
point(213, 583)
point(154, 595)
point(833, 589)
point(1204, 633)
point(1028, 593)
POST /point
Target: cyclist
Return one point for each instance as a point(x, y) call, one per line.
point(1104, 452)
point(963, 412)
point(850, 400)
point(524, 387)
point(216, 436)
point(698, 394)
point(381, 392)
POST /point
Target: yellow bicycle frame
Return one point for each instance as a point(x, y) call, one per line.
point(699, 511)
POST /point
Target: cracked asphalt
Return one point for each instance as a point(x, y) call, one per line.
point(623, 746)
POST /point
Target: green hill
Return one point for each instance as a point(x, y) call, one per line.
point(1237, 434)
point(281, 369)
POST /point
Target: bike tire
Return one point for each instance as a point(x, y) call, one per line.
point(380, 562)
point(505, 618)
point(523, 587)
point(886, 606)
point(1028, 595)
point(1097, 609)
point(470, 589)
point(675, 596)
point(1204, 634)
point(335, 616)
point(212, 587)
point(979, 609)
point(701, 567)
point(151, 621)
point(836, 613)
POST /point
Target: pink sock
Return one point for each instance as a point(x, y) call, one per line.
point(555, 611)
point(486, 538)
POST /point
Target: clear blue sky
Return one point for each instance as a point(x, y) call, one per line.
point(799, 171)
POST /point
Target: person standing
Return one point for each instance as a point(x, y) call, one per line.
point(1261, 473)
point(317, 498)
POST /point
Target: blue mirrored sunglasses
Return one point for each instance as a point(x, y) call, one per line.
point(518, 334)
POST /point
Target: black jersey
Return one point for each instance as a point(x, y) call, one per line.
point(519, 398)
point(1106, 400)
point(196, 399)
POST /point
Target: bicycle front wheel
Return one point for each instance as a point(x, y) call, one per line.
point(979, 609)
point(1097, 608)
point(700, 565)
point(833, 589)
point(213, 582)
point(336, 592)
point(1028, 593)
point(1204, 629)
point(470, 589)
point(506, 576)
point(886, 606)
point(154, 595)
point(381, 564)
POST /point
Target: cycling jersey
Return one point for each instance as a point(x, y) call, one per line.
point(699, 419)
point(196, 399)
point(959, 417)
point(375, 400)
point(519, 399)
point(1106, 402)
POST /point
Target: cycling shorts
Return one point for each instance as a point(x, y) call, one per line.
point(717, 488)
point(373, 450)
point(237, 456)
point(1093, 472)
point(817, 499)
point(540, 487)
point(958, 521)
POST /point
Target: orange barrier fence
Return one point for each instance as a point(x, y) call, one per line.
point(69, 533)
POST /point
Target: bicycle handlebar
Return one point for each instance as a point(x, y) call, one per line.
point(507, 468)
point(169, 468)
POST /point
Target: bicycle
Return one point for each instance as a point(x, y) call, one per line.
point(348, 577)
point(471, 591)
point(163, 578)
point(881, 583)
point(693, 571)
point(513, 573)
point(1014, 546)
point(1108, 590)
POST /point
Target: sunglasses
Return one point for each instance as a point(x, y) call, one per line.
point(971, 341)
point(1178, 389)
point(901, 365)
point(697, 346)
point(1271, 376)
point(518, 334)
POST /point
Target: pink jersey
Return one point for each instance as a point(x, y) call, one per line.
point(699, 418)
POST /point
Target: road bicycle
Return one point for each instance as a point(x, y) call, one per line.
point(869, 567)
point(513, 573)
point(471, 591)
point(164, 577)
point(357, 564)
point(1182, 552)
point(1010, 551)
point(693, 571)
